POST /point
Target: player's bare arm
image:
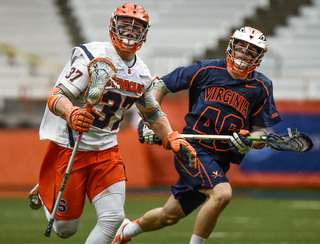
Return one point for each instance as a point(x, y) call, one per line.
point(258, 131)
point(62, 107)
point(171, 140)
point(161, 125)
point(158, 95)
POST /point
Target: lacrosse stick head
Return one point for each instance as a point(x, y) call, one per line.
point(100, 70)
point(297, 142)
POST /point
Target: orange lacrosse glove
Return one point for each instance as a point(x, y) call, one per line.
point(79, 119)
point(244, 132)
point(181, 147)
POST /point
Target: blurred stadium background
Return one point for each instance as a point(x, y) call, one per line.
point(36, 38)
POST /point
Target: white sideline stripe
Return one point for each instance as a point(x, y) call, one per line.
point(301, 204)
point(213, 234)
point(239, 219)
point(225, 234)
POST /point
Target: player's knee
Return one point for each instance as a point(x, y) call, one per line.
point(111, 219)
point(219, 196)
point(225, 198)
point(110, 214)
point(169, 218)
point(222, 198)
point(66, 229)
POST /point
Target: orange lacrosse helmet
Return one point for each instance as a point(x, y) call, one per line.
point(245, 50)
point(129, 25)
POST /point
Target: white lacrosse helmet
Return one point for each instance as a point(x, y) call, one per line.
point(246, 49)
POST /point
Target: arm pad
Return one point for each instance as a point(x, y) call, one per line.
point(150, 117)
point(160, 85)
point(54, 97)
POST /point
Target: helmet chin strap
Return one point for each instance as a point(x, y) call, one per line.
point(236, 75)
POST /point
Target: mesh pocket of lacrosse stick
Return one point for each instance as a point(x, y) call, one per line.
point(297, 142)
point(100, 70)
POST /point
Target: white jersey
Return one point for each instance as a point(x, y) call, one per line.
point(134, 85)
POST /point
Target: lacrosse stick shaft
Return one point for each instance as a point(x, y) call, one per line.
point(205, 137)
point(62, 187)
point(217, 137)
point(64, 181)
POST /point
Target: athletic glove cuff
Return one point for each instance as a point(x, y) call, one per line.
point(181, 148)
point(79, 119)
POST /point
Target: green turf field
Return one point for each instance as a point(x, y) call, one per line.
point(259, 218)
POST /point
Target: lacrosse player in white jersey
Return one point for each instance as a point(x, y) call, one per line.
point(98, 170)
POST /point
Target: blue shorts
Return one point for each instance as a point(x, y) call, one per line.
point(208, 174)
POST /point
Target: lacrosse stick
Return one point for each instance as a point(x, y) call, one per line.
point(101, 71)
point(296, 142)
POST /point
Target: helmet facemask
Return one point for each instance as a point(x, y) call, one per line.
point(245, 50)
point(130, 32)
point(245, 55)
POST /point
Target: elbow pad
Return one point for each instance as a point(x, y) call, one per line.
point(150, 117)
point(54, 97)
point(160, 85)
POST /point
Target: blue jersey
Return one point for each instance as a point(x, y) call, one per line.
point(220, 105)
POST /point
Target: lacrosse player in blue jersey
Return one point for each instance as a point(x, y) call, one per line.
point(226, 97)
